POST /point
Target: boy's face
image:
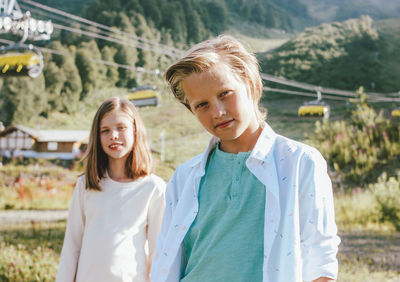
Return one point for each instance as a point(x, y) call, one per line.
point(222, 104)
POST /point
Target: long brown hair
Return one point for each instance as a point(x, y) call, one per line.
point(139, 161)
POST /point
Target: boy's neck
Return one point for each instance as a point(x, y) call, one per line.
point(243, 143)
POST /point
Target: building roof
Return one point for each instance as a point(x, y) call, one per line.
point(49, 135)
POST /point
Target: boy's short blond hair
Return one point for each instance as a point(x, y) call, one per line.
point(204, 55)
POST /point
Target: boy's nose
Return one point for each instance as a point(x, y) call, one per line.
point(219, 110)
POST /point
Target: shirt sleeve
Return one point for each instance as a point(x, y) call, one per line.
point(170, 200)
point(73, 235)
point(318, 231)
point(155, 215)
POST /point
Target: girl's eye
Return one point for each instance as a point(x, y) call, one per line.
point(104, 131)
point(122, 127)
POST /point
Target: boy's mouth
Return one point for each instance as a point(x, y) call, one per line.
point(224, 123)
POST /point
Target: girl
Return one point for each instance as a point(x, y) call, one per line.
point(117, 205)
point(255, 206)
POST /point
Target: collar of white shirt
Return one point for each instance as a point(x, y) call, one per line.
point(262, 154)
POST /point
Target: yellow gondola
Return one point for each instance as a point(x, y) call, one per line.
point(314, 110)
point(396, 113)
point(20, 61)
point(144, 96)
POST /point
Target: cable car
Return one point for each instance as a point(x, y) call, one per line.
point(315, 108)
point(17, 60)
point(396, 113)
point(144, 96)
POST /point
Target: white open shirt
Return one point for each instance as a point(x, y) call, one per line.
point(300, 233)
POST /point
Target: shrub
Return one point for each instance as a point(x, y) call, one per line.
point(357, 211)
point(387, 195)
point(19, 264)
point(355, 148)
point(35, 187)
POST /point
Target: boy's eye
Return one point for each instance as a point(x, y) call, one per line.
point(201, 105)
point(225, 93)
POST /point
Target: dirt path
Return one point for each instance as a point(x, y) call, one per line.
point(20, 216)
point(381, 252)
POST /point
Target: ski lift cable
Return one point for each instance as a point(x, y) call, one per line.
point(291, 92)
point(306, 86)
point(154, 48)
point(92, 23)
point(311, 87)
point(103, 35)
point(385, 99)
point(100, 33)
point(65, 20)
point(57, 52)
point(96, 35)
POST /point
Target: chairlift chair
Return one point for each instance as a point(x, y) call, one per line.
point(396, 112)
point(18, 60)
point(315, 108)
point(144, 96)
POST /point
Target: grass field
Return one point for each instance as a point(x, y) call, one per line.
point(364, 255)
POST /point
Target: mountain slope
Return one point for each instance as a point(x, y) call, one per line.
point(340, 10)
point(342, 55)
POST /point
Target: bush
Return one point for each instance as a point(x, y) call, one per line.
point(357, 211)
point(387, 195)
point(356, 148)
point(19, 264)
point(36, 187)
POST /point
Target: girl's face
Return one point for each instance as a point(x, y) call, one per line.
point(116, 134)
point(222, 104)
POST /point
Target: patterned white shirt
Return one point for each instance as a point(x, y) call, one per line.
point(300, 233)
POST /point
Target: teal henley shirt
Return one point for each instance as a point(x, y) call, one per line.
point(226, 240)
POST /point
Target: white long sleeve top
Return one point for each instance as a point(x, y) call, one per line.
point(111, 234)
point(300, 234)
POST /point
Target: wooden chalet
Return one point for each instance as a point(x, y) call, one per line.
point(18, 140)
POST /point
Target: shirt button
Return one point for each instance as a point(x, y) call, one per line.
point(182, 228)
point(237, 178)
point(164, 271)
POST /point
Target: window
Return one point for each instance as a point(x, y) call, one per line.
point(52, 146)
